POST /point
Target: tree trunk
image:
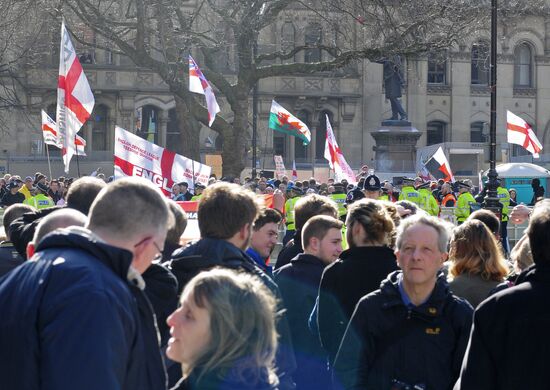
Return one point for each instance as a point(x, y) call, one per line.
point(234, 149)
point(189, 130)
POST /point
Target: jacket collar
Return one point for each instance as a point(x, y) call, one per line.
point(536, 272)
point(307, 259)
point(374, 251)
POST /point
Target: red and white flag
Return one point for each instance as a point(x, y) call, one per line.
point(199, 84)
point(49, 131)
point(75, 100)
point(294, 171)
point(520, 133)
point(336, 159)
point(439, 167)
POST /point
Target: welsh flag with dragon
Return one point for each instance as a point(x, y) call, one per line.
point(283, 121)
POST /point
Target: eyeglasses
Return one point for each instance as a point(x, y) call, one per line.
point(158, 256)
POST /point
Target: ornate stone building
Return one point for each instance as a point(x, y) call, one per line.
point(446, 96)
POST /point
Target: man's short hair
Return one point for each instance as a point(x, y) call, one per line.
point(12, 213)
point(82, 193)
point(57, 219)
point(180, 223)
point(442, 228)
point(224, 209)
point(318, 227)
point(488, 218)
point(266, 216)
point(129, 207)
point(312, 205)
point(538, 232)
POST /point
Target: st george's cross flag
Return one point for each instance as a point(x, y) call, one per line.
point(284, 122)
point(75, 100)
point(199, 84)
point(336, 159)
point(520, 133)
point(439, 167)
point(294, 171)
point(49, 132)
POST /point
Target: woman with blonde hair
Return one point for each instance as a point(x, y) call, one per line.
point(477, 264)
point(224, 333)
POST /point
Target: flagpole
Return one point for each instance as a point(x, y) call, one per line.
point(49, 165)
point(193, 179)
point(77, 160)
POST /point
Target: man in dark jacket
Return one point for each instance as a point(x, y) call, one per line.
point(299, 283)
point(413, 331)
point(9, 258)
point(226, 214)
point(12, 196)
point(509, 345)
point(76, 316)
point(305, 208)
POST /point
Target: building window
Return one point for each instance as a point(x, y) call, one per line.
point(437, 69)
point(288, 39)
point(301, 152)
point(480, 63)
point(148, 128)
point(313, 38)
point(173, 138)
point(523, 66)
point(477, 133)
point(279, 144)
point(435, 132)
point(99, 127)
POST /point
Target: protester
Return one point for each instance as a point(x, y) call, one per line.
point(477, 264)
point(489, 219)
point(538, 191)
point(412, 331)
point(184, 191)
point(265, 235)
point(359, 270)
point(13, 196)
point(9, 258)
point(299, 284)
point(27, 189)
point(78, 308)
point(304, 209)
point(54, 191)
point(224, 333)
point(448, 198)
point(513, 197)
point(510, 340)
point(226, 214)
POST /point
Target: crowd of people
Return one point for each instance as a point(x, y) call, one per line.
point(373, 288)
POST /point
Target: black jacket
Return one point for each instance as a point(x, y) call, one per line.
point(299, 284)
point(358, 272)
point(416, 345)
point(9, 258)
point(207, 253)
point(290, 251)
point(510, 339)
point(221, 380)
point(8, 199)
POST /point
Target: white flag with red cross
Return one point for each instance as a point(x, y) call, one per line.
point(199, 84)
point(336, 159)
point(49, 132)
point(75, 100)
point(519, 132)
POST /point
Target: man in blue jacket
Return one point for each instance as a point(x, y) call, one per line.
point(76, 316)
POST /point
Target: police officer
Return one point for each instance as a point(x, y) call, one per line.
point(41, 200)
point(504, 198)
point(409, 193)
point(428, 203)
point(198, 192)
point(294, 194)
point(372, 187)
point(339, 196)
point(464, 202)
point(354, 195)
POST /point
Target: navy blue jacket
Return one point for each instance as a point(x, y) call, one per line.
point(73, 319)
point(387, 340)
point(299, 285)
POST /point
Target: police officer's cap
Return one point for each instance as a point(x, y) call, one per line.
point(372, 183)
point(297, 190)
point(423, 185)
point(199, 185)
point(354, 195)
point(408, 180)
point(462, 184)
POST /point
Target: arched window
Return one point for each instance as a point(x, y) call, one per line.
point(149, 123)
point(523, 65)
point(321, 135)
point(477, 133)
point(288, 39)
point(435, 132)
point(99, 127)
point(173, 138)
point(301, 151)
point(313, 37)
point(480, 63)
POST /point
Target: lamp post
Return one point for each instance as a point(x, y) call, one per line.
point(491, 201)
point(254, 114)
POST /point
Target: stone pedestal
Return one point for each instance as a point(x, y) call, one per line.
point(395, 149)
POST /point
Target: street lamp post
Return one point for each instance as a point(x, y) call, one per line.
point(491, 200)
point(254, 114)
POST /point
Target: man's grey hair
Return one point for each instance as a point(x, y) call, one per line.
point(442, 228)
point(130, 207)
point(58, 219)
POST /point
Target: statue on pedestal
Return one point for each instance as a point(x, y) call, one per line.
point(393, 82)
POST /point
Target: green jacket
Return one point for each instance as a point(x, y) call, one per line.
point(410, 194)
point(39, 201)
point(340, 200)
point(462, 210)
point(289, 213)
point(504, 198)
point(429, 204)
